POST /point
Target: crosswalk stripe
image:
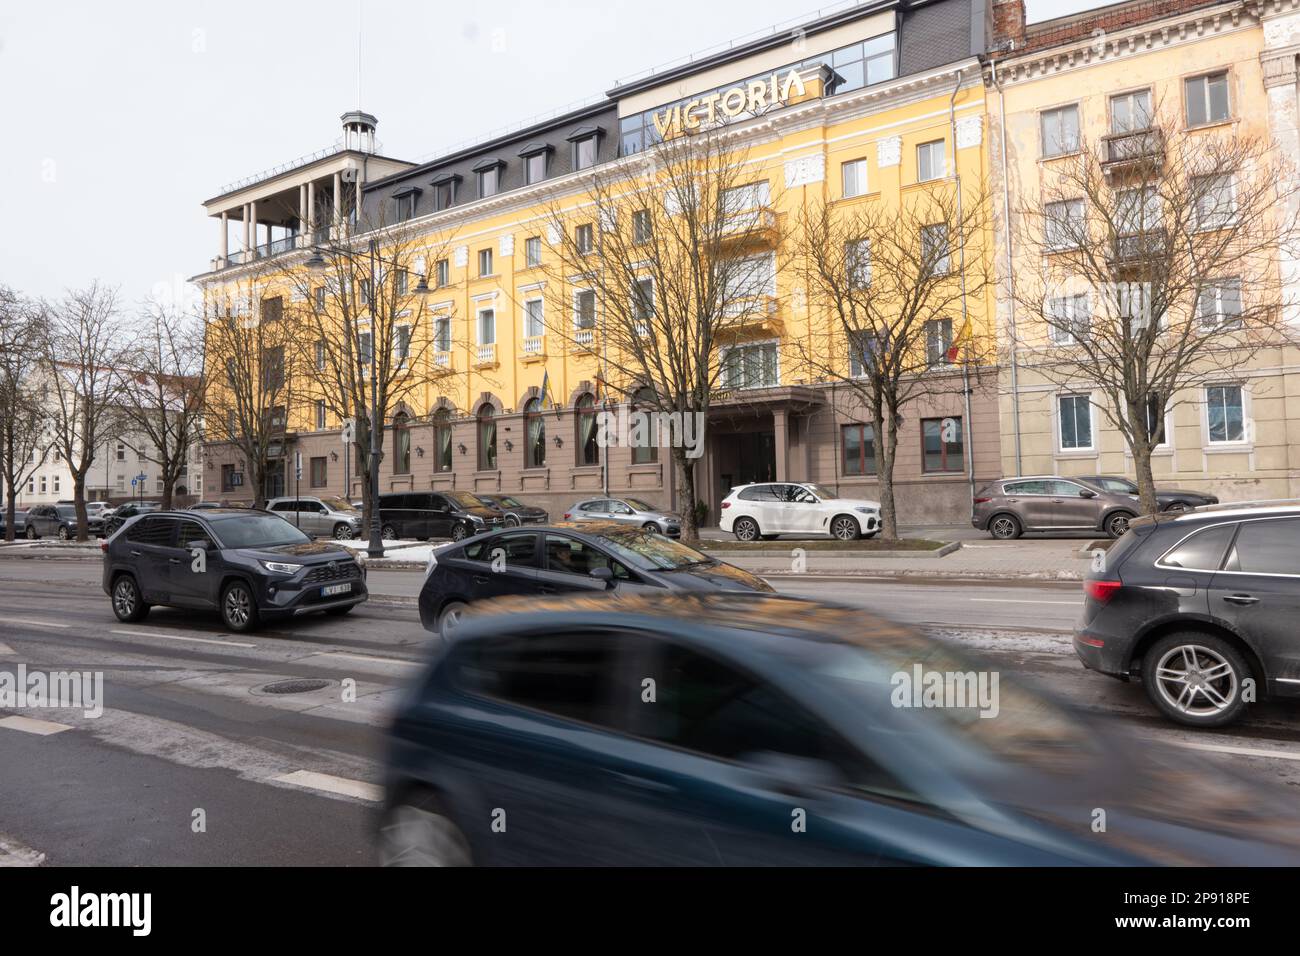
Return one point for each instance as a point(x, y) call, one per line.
point(21, 620)
point(177, 637)
point(331, 784)
point(28, 725)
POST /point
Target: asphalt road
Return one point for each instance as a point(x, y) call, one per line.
point(189, 736)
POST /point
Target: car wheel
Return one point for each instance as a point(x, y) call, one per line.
point(745, 529)
point(459, 532)
point(511, 521)
point(343, 531)
point(1195, 679)
point(128, 605)
point(450, 617)
point(1176, 506)
point(388, 533)
point(1117, 524)
point(63, 532)
point(420, 834)
point(340, 611)
point(650, 526)
point(238, 607)
point(1005, 527)
point(31, 533)
point(845, 527)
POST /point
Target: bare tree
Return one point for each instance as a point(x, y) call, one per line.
point(888, 287)
point(370, 339)
point(24, 419)
point(83, 355)
point(162, 391)
point(658, 272)
point(1158, 271)
point(249, 355)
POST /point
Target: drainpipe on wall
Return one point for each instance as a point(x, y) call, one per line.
point(968, 438)
point(1011, 301)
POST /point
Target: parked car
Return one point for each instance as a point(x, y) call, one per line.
point(1169, 499)
point(97, 508)
point(321, 517)
point(1197, 604)
point(118, 516)
point(20, 521)
point(578, 557)
point(59, 521)
point(255, 567)
point(431, 514)
point(767, 711)
point(514, 511)
point(631, 511)
point(223, 503)
point(768, 509)
point(1008, 508)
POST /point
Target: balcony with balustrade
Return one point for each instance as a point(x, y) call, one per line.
point(1137, 153)
point(533, 350)
point(485, 355)
point(756, 225)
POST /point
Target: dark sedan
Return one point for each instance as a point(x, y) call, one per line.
point(514, 511)
point(728, 730)
point(122, 513)
point(423, 515)
point(586, 557)
point(1168, 499)
point(249, 566)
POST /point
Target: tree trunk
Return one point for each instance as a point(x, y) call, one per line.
point(1145, 482)
point(882, 452)
point(79, 502)
point(10, 508)
point(168, 485)
point(685, 469)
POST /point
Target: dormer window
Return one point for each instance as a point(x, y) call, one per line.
point(586, 146)
point(489, 177)
point(404, 201)
point(445, 188)
point(537, 162)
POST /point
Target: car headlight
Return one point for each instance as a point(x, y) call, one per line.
point(867, 511)
point(281, 567)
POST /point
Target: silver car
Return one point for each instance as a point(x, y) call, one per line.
point(319, 517)
point(627, 511)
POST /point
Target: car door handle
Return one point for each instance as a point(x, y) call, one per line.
point(135, 554)
point(480, 579)
point(644, 784)
point(1013, 500)
point(1242, 599)
point(173, 560)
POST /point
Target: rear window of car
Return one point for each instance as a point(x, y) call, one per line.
point(758, 493)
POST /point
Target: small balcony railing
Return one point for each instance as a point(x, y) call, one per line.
point(584, 338)
point(755, 223)
point(442, 359)
point(1142, 149)
point(534, 346)
point(486, 354)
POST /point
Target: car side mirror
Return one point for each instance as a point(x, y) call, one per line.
point(603, 574)
point(199, 545)
point(1087, 494)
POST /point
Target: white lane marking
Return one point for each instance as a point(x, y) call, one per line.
point(177, 637)
point(1019, 601)
point(27, 725)
point(332, 784)
point(375, 660)
point(1240, 751)
point(20, 620)
point(5, 650)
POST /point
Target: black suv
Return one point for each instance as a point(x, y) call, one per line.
point(249, 565)
point(1202, 607)
point(430, 514)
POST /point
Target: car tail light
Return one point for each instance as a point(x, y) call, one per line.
point(726, 504)
point(982, 501)
point(1101, 591)
point(103, 545)
point(568, 515)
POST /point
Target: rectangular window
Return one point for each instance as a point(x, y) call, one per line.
point(121, 481)
point(405, 207)
point(442, 273)
point(320, 355)
point(854, 174)
point(402, 344)
point(1218, 305)
point(444, 195)
point(1068, 319)
point(485, 262)
point(363, 349)
point(942, 444)
point(487, 182)
point(1063, 224)
point(1215, 201)
point(399, 282)
point(487, 327)
point(935, 254)
point(930, 161)
point(857, 262)
point(1130, 112)
point(533, 251)
point(1225, 413)
point(751, 366)
point(583, 238)
point(740, 199)
point(1075, 415)
point(442, 333)
point(535, 167)
point(56, 484)
point(859, 446)
point(1207, 99)
point(320, 414)
point(121, 452)
point(1060, 130)
point(862, 352)
point(643, 304)
point(938, 341)
point(641, 227)
point(533, 324)
point(584, 309)
point(318, 473)
point(584, 153)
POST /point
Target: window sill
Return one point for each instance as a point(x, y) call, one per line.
point(1228, 447)
point(1077, 453)
point(1056, 156)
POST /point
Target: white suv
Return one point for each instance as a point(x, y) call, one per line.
point(766, 510)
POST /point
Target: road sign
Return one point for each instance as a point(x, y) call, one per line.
point(297, 466)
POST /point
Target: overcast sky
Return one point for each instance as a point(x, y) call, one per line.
point(121, 117)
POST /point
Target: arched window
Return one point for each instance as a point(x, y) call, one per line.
point(535, 430)
point(401, 444)
point(442, 440)
point(585, 419)
point(487, 439)
point(642, 429)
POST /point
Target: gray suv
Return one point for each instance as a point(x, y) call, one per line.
point(632, 511)
point(320, 517)
point(1009, 507)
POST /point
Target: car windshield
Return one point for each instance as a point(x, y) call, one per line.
point(66, 511)
point(640, 505)
point(510, 502)
point(1121, 485)
point(649, 551)
point(823, 493)
point(258, 531)
point(464, 499)
point(337, 504)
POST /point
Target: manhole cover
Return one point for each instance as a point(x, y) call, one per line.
point(295, 686)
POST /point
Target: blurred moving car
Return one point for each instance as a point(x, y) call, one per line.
point(514, 511)
point(753, 729)
point(422, 515)
point(20, 521)
point(1169, 499)
point(254, 567)
point(631, 511)
point(576, 557)
point(1008, 508)
point(223, 503)
point(59, 521)
point(323, 517)
point(765, 510)
point(118, 516)
point(1197, 605)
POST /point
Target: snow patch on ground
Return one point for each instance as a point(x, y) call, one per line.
point(400, 551)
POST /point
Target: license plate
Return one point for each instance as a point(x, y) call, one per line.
point(330, 590)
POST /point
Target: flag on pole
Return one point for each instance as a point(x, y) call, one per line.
point(960, 341)
point(546, 389)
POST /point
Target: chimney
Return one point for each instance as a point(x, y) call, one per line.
point(1008, 24)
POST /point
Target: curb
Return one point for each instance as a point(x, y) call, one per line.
point(948, 548)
